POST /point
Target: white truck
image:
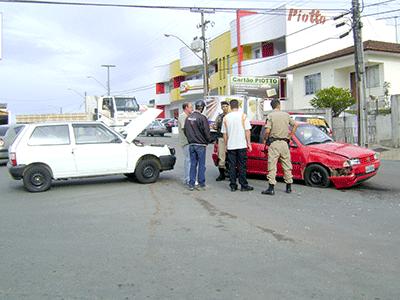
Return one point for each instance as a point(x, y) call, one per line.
point(114, 111)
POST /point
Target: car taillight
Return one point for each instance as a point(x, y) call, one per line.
point(13, 159)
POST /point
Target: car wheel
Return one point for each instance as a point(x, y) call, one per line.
point(161, 134)
point(147, 171)
point(37, 178)
point(147, 134)
point(316, 176)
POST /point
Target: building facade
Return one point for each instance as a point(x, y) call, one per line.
point(382, 62)
point(267, 43)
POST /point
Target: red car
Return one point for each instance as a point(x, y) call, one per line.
point(316, 158)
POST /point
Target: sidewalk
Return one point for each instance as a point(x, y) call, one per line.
point(387, 153)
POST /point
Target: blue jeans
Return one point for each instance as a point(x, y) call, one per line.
point(186, 164)
point(197, 165)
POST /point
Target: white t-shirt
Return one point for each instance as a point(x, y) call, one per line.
point(235, 131)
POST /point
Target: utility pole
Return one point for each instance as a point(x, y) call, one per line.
point(205, 58)
point(362, 109)
point(108, 76)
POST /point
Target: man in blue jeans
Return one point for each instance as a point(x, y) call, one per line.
point(198, 134)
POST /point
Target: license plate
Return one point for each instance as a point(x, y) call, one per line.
point(369, 169)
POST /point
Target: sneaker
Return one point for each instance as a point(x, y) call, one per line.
point(233, 188)
point(190, 188)
point(246, 188)
point(201, 187)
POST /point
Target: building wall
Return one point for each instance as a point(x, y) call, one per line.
point(337, 73)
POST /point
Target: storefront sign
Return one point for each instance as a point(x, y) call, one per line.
point(260, 87)
point(314, 16)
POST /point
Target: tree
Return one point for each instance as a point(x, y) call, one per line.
point(337, 99)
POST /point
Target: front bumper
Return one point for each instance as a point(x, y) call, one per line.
point(16, 172)
point(167, 162)
point(357, 176)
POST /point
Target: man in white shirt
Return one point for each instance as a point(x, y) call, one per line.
point(187, 110)
point(236, 130)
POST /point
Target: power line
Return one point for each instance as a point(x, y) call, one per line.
point(213, 9)
point(381, 13)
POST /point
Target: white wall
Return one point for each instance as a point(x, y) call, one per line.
point(189, 61)
point(337, 73)
point(258, 28)
point(262, 66)
point(162, 73)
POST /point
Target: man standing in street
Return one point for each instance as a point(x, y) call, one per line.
point(236, 130)
point(277, 138)
point(220, 140)
point(187, 110)
point(197, 131)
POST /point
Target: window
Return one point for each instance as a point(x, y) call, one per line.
point(50, 135)
point(312, 83)
point(372, 76)
point(94, 134)
point(257, 53)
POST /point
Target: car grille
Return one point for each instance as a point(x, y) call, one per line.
point(367, 159)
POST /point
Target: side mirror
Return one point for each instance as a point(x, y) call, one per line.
point(293, 145)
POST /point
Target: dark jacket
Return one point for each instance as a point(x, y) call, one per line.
point(197, 129)
point(218, 124)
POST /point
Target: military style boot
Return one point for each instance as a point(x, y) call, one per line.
point(288, 188)
point(221, 176)
point(269, 191)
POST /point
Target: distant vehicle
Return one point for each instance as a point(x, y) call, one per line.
point(169, 123)
point(316, 158)
point(7, 139)
point(315, 120)
point(155, 128)
point(43, 152)
point(114, 111)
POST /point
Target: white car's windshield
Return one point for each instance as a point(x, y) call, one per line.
point(311, 135)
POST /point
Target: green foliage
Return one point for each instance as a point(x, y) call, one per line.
point(337, 99)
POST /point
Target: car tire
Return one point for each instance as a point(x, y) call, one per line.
point(147, 134)
point(316, 176)
point(147, 170)
point(161, 134)
point(37, 178)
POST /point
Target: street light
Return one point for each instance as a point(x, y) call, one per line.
point(97, 82)
point(108, 76)
point(202, 59)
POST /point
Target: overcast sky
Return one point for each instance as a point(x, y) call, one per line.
point(47, 50)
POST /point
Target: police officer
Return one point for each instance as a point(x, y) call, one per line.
point(277, 137)
point(220, 140)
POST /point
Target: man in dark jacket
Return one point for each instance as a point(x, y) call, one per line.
point(198, 134)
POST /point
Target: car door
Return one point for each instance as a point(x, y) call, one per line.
point(257, 159)
point(98, 150)
point(51, 145)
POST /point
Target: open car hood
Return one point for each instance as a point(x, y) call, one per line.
point(346, 150)
point(137, 125)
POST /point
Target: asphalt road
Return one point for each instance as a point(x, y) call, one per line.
point(110, 238)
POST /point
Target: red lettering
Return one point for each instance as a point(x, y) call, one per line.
point(292, 13)
point(304, 18)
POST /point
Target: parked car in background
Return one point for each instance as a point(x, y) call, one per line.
point(43, 152)
point(155, 128)
point(3, 149)
point(315, 120)
point(7, 139)
point(169, 123)
point(316, 158)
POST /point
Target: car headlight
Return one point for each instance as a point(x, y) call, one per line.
point(376, 155)
point(354, 161)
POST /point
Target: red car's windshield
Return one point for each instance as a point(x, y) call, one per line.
point(311, 135)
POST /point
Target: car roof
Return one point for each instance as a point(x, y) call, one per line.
point(64, 123)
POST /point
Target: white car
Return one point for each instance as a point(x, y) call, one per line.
point(43, 152)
